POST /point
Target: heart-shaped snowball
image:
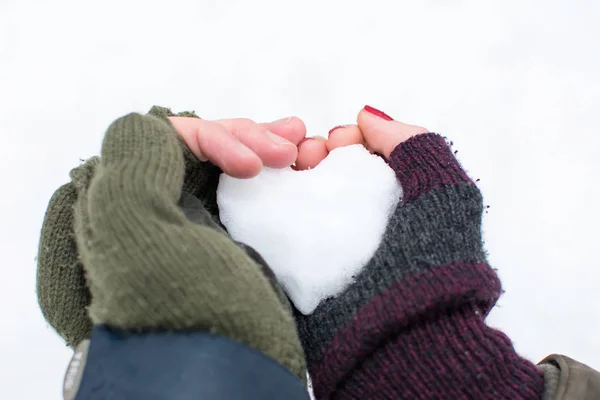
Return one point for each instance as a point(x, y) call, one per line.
point(317, 228)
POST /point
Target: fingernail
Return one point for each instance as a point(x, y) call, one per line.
point(378, 113)
point(283, 120)
point(335, 128)
point(277, 139)
point(304, 140)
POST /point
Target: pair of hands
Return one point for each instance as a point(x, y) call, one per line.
point(241, 147)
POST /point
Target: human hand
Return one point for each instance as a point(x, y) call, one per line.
point(430, 257)
point(62, 290)
point(151, 266)
point(240, 146)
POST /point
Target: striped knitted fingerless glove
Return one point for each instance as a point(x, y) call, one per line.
point(411, 325)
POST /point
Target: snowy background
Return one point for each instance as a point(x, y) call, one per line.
point(515, 84)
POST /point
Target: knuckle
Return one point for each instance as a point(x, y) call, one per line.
point(420, 129)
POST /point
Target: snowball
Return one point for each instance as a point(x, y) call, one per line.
point(317, 228)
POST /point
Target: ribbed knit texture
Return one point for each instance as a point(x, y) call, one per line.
point(450, 355)
point(201, 178)
point(412, 323)
point(62, 293)
point(148, 267)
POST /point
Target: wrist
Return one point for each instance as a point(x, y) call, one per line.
point(406, 301)
point(455, 349)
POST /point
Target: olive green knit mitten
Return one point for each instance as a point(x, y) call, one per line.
point(150, 268)
point(62, 292)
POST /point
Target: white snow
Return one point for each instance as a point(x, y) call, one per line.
point(317, 228)
point(515, 84)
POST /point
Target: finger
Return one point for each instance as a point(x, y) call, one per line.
point(382, 133)
point(344, 135)
point(273, 150)
point(211, 141)
point(291, 129)
point(311, 152)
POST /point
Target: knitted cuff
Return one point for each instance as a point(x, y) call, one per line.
point(423, 163)
point(451, 355)
point(406, 302)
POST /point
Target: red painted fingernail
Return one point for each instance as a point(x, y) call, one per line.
point(304, 140)
point(335, 128)
point(378, 113)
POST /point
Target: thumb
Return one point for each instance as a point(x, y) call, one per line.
point(382, 133)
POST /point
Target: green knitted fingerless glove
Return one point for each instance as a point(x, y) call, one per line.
point(62, 292)
point(149, 267)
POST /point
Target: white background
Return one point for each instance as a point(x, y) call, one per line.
point(515, 84)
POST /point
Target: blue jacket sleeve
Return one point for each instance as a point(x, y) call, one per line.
point(181, 366)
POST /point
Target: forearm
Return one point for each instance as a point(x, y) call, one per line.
point(448, 354)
